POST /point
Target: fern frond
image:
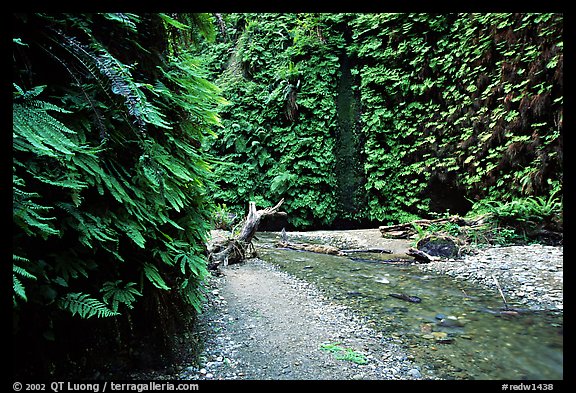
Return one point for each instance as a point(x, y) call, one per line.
point(126, 20)
point(193, 262)
point(153, 275)
point(22, 272)
point(71, 267)
point(191, 291)
point(27, 213)
point(18, 288)
point(34, 128)
point(17, 285)
point(85, 306)
point(114, 294)
point(132, 230)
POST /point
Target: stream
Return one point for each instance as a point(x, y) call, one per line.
point(456, 331)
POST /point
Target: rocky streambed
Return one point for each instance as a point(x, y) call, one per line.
point(532, 275)
point(297, 315)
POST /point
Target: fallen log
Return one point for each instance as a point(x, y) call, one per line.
point(325, 249)
point(367, 250)
point(421, 256)
point(406, 230)
point(318, 248)
point(235, 250)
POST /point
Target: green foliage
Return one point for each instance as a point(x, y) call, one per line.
point(446, 97)
point(277, 73)
point(223, 218)
point(19, 272)
point(114, 294)
point(109, 176)
point(85, 306)
point(341, 353)
point(359, 115)
point(524, 213)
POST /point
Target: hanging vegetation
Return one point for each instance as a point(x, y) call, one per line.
point(109, 203)
point(387, 117)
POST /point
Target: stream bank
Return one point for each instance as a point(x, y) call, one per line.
point(262, 322)
point(531, 275)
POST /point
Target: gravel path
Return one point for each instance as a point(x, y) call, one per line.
point(262, 323)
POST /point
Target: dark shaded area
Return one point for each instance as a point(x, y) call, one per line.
point(351, 196)
point(62, 347)
point(445, 196)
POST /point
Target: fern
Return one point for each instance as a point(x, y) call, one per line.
point(114, 294)
point(17, 285)
point(34, 129)
point(28, 214)
point(153, 275)
point(69, 266)
point(191, 291)
point(85, 306)
point(126, 20)
point(194, 263)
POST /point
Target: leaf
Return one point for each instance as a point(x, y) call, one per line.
point(85, 306)
point(153, 275)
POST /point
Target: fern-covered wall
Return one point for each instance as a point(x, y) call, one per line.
point(451, 109)
point(109, 188)
point(459, 104)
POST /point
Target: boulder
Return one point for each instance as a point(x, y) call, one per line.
point(439, 246)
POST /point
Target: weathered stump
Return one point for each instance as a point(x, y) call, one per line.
point(236, 250)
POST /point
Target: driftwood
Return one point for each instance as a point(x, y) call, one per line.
point(236, 250)
point(325, 249)
point(407, 230)
point(318, 248)
point(421, 256)
point(367, 250)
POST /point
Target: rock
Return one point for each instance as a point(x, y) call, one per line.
point(408, 298)
point(414, 373)
point(449, 322)
point(439, 335)
point(203, 371)
point(439, 246)
point(440, 316)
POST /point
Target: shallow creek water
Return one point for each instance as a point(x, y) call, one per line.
point(457, 331)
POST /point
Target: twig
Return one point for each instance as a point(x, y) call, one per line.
point(501, 293)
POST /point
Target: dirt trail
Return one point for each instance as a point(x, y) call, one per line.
point(265, 324)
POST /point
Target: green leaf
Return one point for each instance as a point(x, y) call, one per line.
point(153, 275)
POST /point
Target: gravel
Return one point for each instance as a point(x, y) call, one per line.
point(530, 275)
point(262, 323)
point(259, 322)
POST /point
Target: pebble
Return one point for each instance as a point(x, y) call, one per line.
point(531, 275)
point(414, 373)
